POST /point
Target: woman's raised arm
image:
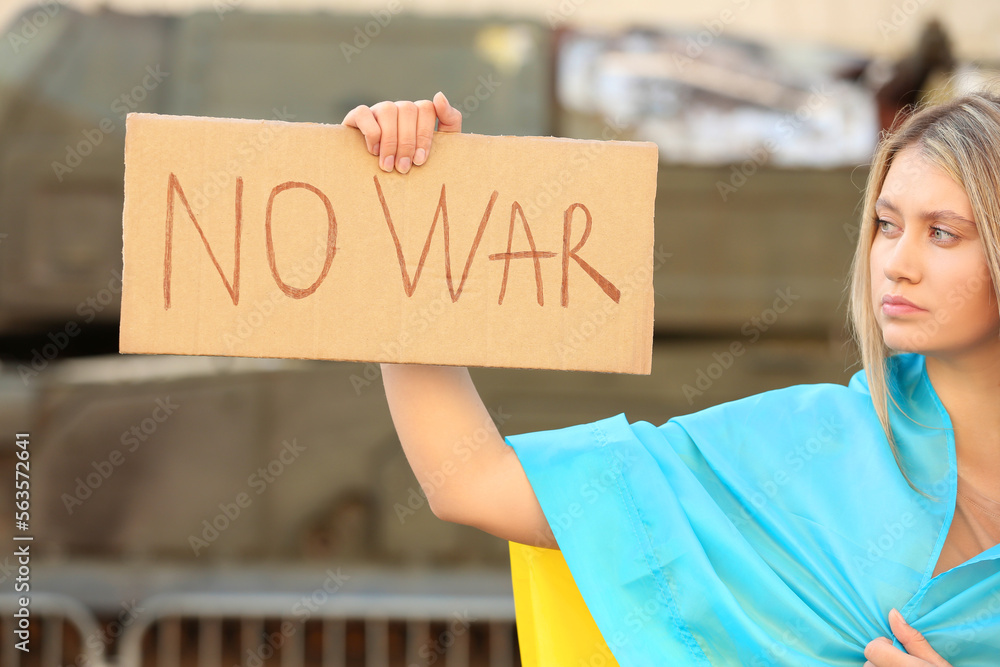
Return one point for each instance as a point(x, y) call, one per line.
point(467, 471)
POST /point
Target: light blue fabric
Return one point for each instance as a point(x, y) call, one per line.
point(772, 530)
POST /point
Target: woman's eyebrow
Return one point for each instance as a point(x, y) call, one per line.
point(942, 214)
point(946, 214)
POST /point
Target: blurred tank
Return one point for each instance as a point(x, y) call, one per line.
point(204, 460)
point(66, 88)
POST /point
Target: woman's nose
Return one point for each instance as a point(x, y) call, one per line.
point(903, 261)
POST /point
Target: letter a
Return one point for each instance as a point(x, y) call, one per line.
point(516, 209)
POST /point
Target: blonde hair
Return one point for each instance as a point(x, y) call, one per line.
point(962, 138)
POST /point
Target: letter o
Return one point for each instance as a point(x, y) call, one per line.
point(774, 316)
point(139, 93)
point(718, 371)
point(331, 239)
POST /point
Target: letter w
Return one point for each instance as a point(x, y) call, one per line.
point(173, 185)
point(442, 212)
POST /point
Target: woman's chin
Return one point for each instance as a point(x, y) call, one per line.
point(902, 343)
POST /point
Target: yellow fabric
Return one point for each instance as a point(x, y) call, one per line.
point(554, 626)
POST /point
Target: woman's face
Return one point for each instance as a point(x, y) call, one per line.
point(927, 250)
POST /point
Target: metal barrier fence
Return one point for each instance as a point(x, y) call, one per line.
point(271, 629)
point(249, 630)
point(63, 625)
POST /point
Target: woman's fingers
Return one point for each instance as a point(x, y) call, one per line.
point(449, 118)
point(401, 133)
point(406, 135)
point(426, 117)
point(386, 114)
point(881, 653)
point(913, 641)
point(362, 118)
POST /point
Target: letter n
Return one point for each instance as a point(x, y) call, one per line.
point(174, 186)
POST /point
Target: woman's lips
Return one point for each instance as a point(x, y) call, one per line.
point(897, 305)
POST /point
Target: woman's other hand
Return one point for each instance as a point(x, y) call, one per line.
point(400, 133)
point(881, 653)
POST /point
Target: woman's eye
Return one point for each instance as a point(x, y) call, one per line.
point(939, 234)
point(948, 236)
point(881, 224)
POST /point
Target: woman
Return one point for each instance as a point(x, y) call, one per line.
point(787, 527)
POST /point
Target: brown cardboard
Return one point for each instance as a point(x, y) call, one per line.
point(275, 239)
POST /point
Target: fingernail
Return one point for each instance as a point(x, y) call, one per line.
point(387, 162)
point(375, 149)
point(419, 157)
point(445, 97)
point(404, 165)
point(897, 615)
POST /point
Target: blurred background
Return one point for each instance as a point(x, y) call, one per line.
point(226, 511)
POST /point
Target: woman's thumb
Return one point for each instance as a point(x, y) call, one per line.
point(449, 118)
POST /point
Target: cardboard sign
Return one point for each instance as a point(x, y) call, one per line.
point(275, 239)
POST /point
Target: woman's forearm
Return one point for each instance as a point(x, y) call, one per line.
point(447, 433)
